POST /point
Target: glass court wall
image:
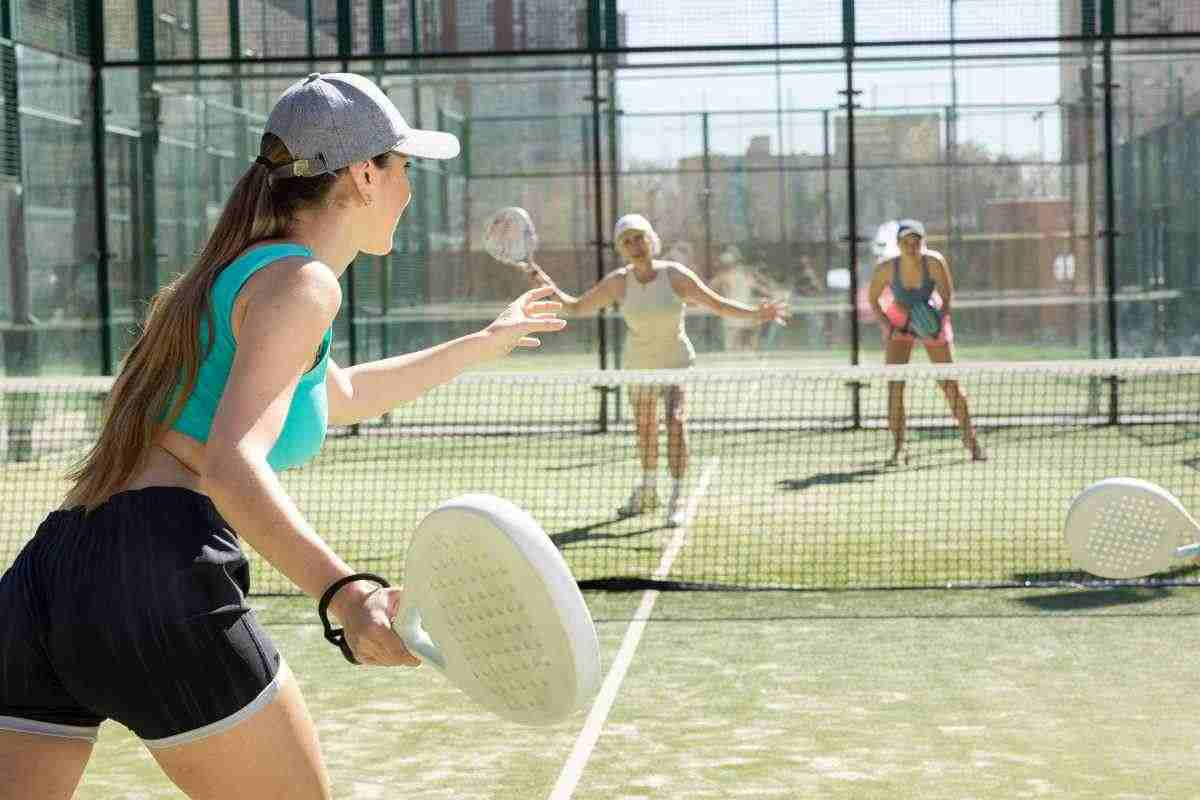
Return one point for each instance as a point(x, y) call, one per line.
point(1049, 148)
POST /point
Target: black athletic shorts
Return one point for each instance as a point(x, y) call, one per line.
point(135, 612)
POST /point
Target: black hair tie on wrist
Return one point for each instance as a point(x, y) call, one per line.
point(337, 636)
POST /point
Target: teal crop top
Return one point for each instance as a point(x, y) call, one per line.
point(304, 430)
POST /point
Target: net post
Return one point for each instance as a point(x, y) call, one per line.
point(855, 387)
point(598, 193)
point(1114, 415)
point(849, 38)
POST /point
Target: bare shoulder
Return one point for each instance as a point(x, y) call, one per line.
point(938, 267)
point(676, 269)
point(935, 257)
point(613, 284)
point(306, 284)
point(305, 276)
point(617, 275)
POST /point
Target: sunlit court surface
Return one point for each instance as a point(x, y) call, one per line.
point(998, 693)
point(845, 572)
point(731, 668)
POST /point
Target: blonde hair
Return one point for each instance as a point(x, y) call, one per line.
point(167, 352)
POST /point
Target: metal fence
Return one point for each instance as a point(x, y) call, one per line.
point(1050, 149)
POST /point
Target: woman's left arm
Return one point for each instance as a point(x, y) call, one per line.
point(940, 272)
point(365, 391)
point(691, 289)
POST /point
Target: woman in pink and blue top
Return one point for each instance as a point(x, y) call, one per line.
point(920, 283)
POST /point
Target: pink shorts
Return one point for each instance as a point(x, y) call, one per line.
point(899, 321)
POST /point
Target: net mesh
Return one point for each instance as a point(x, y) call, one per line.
point(786, 485)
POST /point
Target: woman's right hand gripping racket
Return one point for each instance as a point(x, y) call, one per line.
point(510, 238)
point(489, 601)
point(1129, 528)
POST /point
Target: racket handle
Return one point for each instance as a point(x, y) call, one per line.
point(408, 625)
point(1188, 551)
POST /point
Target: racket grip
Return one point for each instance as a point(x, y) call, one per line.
point(1188, 551)
point(407, 625)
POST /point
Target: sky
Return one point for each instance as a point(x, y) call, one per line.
point(651, 85)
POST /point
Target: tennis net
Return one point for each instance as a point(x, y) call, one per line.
point(786, 485)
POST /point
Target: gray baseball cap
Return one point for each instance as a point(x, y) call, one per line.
point(330, 120)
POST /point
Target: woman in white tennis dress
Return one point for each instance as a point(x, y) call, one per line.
point(653, 295)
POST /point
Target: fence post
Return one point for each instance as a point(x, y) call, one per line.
point(1110, 232)
point(851, 237)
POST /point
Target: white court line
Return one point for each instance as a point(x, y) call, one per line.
point(568, 779)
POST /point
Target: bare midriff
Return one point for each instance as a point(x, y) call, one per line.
point(173, 460)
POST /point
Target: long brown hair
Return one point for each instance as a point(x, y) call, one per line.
point(167, 352)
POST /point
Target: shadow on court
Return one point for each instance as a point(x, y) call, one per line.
point(593, 533)
point(1160, 435)
point(868, 474)
point(830, 479)
point(929, 449)
point(1084, 599)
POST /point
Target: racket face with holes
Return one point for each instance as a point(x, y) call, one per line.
point(925, 321)
point(501, 609)
point(1127, 528)
point(510, 238)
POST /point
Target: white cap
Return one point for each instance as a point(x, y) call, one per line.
point(636, 222)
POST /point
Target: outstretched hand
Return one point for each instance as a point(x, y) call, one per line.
point(775, 311)
point(529, 314)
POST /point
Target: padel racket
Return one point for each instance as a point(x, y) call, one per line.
point(925, 320)
point(489, 601)
point(1129, 528)
point(510, 238)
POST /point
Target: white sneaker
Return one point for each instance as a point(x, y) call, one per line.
point(641, 500)
point(676, 509)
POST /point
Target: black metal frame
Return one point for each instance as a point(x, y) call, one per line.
point(604, 50)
